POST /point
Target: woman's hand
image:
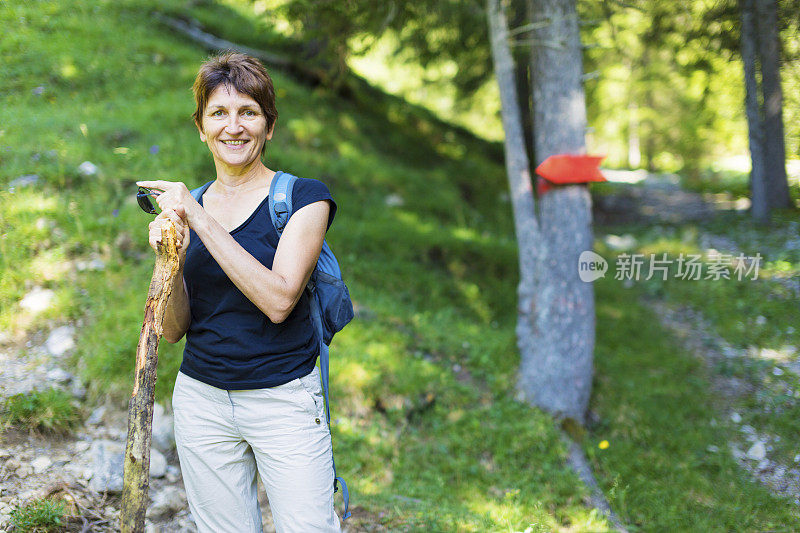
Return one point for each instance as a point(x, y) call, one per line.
point(181, 229)
point(175, 196)
point(176, 315)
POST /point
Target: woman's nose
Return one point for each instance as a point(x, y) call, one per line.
point(233, 125)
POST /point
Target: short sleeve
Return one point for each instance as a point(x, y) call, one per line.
point(307, 191)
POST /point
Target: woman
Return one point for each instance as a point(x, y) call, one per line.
point(247, 398)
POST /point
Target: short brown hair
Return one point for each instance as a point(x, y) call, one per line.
point(244, 73)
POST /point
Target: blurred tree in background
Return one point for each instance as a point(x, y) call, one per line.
point(667, 81)
point(760, 47)
point(434, 30)
point(555, 323)
point(663, 79)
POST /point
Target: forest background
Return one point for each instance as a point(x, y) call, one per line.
point(394, 105)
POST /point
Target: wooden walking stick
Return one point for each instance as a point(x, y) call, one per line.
point(140, 408)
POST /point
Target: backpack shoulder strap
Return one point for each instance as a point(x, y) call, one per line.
point(280, 210)
point(198, 192)
point(280, 199)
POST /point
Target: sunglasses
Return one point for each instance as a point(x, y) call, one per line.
point(143, 198)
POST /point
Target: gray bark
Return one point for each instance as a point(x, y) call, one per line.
point(557, 375)
point(774, 147)
point(519, 180)
point(634, 152)
point(758, 193)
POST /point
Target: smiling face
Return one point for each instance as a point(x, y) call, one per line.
point(235, 129)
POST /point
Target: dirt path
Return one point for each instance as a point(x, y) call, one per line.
point(751, 448)
point(643, 198)
point(80, 468)
point(85, 467)
point(659, 199)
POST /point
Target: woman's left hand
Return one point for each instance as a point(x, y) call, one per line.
point(176, 196)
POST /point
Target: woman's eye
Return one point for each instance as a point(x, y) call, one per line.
point(217, 113)
point(249, 113)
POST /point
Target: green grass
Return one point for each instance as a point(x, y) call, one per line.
point(655, 408)
point(39, 516)
point(50, 410)
point(422, 446)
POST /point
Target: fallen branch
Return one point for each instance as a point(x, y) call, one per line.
point(140, 409)
point(213, 43)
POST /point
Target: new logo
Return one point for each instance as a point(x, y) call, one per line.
point(591, 266)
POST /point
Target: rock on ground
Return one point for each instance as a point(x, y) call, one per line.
point(166, 503)
point(158, 463)
point(40, 464)
point(163, 430)
point(61, 341)
point(107, 466)
point(757, 451)
point(37, 300)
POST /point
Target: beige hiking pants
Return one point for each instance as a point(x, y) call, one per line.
point(225, 437)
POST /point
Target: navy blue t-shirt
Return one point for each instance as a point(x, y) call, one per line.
point(230, 343)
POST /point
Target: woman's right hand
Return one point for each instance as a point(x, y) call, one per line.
point(181, 228)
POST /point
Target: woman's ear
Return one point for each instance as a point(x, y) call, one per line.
point(271, 130)
point(200, 129)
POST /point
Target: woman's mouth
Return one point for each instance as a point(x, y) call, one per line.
point(235, 144)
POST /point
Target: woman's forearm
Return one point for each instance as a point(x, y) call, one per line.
point(177, 315)
point(271, 292)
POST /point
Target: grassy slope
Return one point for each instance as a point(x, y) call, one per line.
point(434, 279)
point(428, 277)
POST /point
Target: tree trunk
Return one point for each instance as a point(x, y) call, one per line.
point(634, 152)
point(522, 62)
point(774, 147)
point(557, 375)
point(758, 193)
point(140, 409)
point(645, 63)
point(519, 180)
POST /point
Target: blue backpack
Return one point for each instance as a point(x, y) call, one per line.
point(331, 307)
